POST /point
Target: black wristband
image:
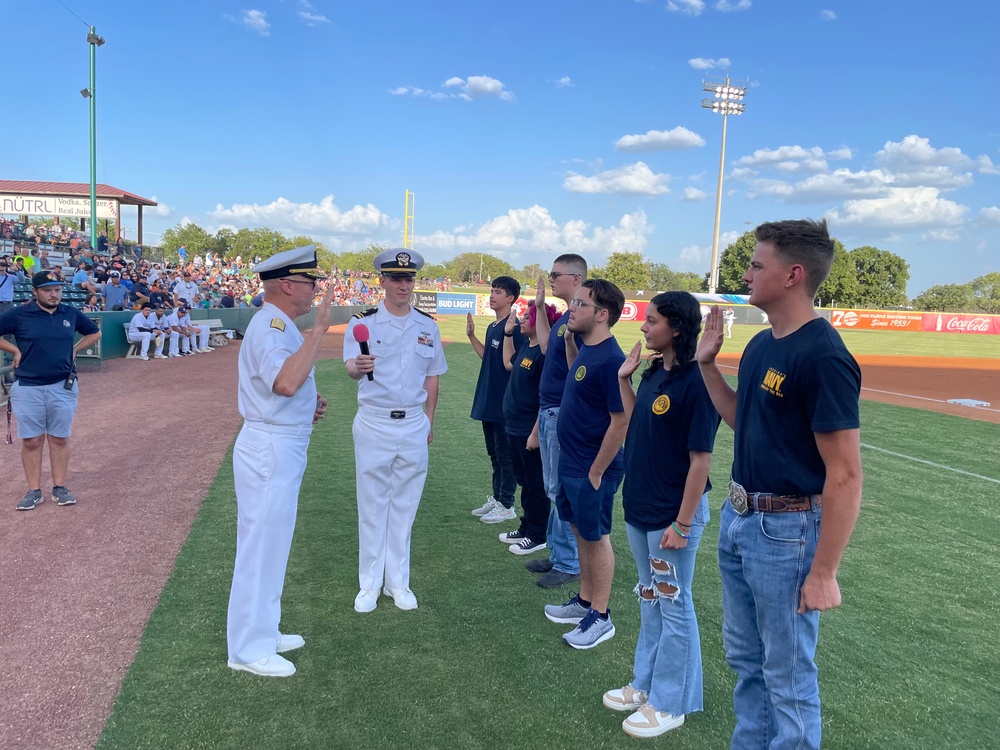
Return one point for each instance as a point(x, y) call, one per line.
point(508, 335)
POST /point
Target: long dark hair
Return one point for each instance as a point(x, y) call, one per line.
point(683, 312)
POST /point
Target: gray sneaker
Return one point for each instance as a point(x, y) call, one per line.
point(569, 613)
point(591, 631)
point(63, 496)
point(31, 499)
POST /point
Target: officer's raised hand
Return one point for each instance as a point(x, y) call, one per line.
point(323, 311)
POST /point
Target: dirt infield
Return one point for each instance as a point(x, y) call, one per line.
point(79, 583)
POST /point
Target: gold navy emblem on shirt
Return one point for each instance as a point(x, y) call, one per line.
point(527, 363)
point(581, 372)
point(278, 323)
point(661, 405)
point(562, 331)
point(773, 381)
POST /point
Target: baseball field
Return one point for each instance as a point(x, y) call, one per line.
point(112, 613)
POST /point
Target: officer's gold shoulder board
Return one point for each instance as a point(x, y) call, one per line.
point(278, 323)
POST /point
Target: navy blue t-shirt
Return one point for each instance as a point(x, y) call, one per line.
point(520, 403)
point(591, 395)
point(550, 391)
point(790, 388)
point(673, 415)
point(45, 340)
point(487, 404)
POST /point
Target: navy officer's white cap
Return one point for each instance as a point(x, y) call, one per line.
point(297, 261)
point(399, 260)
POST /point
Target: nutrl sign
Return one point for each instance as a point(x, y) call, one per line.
point(50, 205)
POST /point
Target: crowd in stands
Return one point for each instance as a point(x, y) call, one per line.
point(120, 279)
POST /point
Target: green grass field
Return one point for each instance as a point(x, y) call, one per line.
point(909, 661)
point(911, 344)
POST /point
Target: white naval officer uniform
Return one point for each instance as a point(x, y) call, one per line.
point(390, 439)
point(269, 459)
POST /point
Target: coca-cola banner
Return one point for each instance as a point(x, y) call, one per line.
point(951, 323)
point(878, 320)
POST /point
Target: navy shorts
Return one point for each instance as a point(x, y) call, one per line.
point(589, 510)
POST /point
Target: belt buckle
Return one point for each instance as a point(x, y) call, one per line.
point(738, 498)
point(397, 414)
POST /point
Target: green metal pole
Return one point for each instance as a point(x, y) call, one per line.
point(93, 143)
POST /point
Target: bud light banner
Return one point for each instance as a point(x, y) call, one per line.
point(456, 304)
point(951, 323)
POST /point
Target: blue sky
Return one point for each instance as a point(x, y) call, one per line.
point(527, 128)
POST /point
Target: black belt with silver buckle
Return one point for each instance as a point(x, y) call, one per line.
point(744, 502)
point(397, 414)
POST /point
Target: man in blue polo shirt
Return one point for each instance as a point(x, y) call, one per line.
point(487, 404)
point(568, 273)
point(44, 394)
point(591, 429)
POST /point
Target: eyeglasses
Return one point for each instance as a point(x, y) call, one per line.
point(576, 304)
point(553, 275)
point(311, 282)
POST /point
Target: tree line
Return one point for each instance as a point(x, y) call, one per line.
point(865, 277)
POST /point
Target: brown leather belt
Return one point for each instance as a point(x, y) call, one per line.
point(744, 502)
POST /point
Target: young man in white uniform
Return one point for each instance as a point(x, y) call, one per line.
point(393, 427)
point(142, 328)
point(197, 334)
point(280, 405)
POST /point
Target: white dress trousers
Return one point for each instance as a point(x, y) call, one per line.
point(268, 464)
point(391, 460)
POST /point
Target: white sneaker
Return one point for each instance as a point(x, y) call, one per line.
point(648, 722)
point(499, 514)
point(174, 354)
point(144, 357)
point(269, 666)
point(625, 699)
point(290, 643)
point(366, 600)
point(160, 356)
point(486, 507)
point(205, 350)
point(403, 598)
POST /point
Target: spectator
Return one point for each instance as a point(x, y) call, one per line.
point(185, 290)
point(141, 291)
point(115, 295)
point(8, 280)
point(82, 279)
point(92, 303)
point(102, 243)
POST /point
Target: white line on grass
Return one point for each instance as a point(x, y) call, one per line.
point(930, 463)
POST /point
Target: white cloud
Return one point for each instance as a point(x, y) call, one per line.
point(726, 6)
point(185, 220)
point(986, 165)
point(915, 163)
point(686, 7)
point(414, 91)
point(793, 158)
point(533, 229)
point(632, 179)
point(312, 19)
point(160, 209)
point(678, 139)
point(694, 258)
point(304, 218)
point(903, 209)
point(565, 82)
point(255, 20)
point(990, 215)
point(477, 87)
point(942, 235)
point(693, 194)
point(828, 15)
point(710, 63)
point(841, 183)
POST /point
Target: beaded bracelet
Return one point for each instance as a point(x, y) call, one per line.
point(679, 533)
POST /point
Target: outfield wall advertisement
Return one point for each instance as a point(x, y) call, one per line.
point(878, 320)
point(952, 323)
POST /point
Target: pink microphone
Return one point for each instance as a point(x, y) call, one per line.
point(361, 335)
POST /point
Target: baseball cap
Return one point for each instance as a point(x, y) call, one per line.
point(44, 278)
point(115, 274)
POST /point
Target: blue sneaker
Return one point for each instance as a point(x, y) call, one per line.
point(31, 499)
point(63, 496)
point(569, 613)
point(591, 631)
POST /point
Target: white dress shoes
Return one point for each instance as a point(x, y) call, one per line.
point(269, 666)
point(290, 643)
point(404, 598)
point(366, 600)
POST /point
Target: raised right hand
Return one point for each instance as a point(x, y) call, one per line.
point(631, 363)
point(540, 292)
point(470, 325)
point(711, 339)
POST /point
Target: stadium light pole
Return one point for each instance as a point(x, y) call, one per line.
point(727, 100)
point(90, 93)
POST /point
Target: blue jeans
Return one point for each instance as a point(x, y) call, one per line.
point(764, 559)
point(561, 539)
point(668, 652)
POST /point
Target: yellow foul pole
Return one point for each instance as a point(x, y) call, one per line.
point(408, 221)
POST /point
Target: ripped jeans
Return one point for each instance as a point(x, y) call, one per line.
point(668, 652)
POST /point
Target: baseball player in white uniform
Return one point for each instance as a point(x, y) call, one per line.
point(393, 427)
point(142, 328)
point(279, 403)
point(197, 334)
